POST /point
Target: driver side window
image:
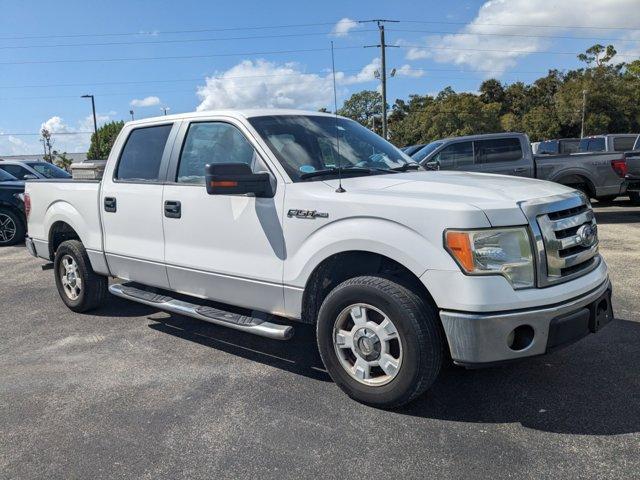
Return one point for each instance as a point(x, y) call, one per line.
point(211, 143)
point(455, 156)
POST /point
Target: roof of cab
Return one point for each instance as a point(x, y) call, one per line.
point(234, 113)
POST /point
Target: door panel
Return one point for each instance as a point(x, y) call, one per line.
point(505, 156)
point(228, 248)
point(131, 205)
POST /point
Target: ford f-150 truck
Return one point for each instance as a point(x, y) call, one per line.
point(280, 215)
point(599, 175)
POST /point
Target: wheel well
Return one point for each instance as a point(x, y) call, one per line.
point(60, 232)
point(15, 211)
point(345, 265)
point(579, 182)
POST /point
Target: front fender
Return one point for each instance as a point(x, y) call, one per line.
point(375, 235)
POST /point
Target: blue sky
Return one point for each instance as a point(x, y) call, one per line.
point(51, 53)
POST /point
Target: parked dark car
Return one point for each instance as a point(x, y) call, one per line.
point(558, 146)
point(411, 149)
point(31, 170)
point(12, 213)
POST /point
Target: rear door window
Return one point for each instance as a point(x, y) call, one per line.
point(142, 154)
point(623, 144)
point(497, 150)
point(456, 155)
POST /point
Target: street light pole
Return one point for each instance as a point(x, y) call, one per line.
point(165, 109)
point(95, 120)
point(131, 112)
point(584, 104)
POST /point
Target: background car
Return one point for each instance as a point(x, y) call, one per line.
point(12, 215)
point(29, 170)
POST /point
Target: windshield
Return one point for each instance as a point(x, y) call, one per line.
point(424, 152)
point(308, 144)
point(48, 170)
point(6, 177)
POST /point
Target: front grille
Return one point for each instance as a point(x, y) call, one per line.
point(562, 229)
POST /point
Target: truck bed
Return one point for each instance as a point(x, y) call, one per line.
point(570, 168)
point(77, 203)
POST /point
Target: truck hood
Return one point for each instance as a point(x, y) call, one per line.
point(497, 195)
point(17, 185)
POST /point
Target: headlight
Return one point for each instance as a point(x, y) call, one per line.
point(495, 251)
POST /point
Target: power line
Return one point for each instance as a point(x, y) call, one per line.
point(500, 50)
point(175, 41)
point(457, 34)
point(40, 133)
point(586, 27)
point(172, 57)
point(167, 32)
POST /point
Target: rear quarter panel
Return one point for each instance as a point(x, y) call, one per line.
point(72, 202)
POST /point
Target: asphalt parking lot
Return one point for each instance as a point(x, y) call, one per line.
point(131, 392)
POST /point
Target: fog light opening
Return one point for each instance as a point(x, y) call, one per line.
point(520, 337)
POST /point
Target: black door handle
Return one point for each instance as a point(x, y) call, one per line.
point(110, 204)
point(172, 209)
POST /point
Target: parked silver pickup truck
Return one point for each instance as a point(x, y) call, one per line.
point(599, 174)
point(633, 172)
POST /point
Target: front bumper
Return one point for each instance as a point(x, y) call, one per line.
point(484, 338)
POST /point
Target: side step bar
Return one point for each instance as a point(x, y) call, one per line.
point(244, 323)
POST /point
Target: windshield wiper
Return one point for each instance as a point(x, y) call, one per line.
point(335, 171)
point(407, 166)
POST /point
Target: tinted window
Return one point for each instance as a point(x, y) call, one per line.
point(6, 177)
point(49, 171)
point(424, 152)
point(16, 170)
point(569, 146)
point(455, 155)
point(622, 144)
point(304, 144)
point(592, 145)
point(213, 142)
point(548, 147)
point(498, 150)
point(142, 154)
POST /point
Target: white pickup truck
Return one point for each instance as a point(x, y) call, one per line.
point(281, 215)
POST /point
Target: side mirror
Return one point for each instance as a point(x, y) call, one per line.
point(29, 176)
point(432, 165)
point(236, 179)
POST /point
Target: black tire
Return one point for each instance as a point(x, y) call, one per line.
point(418, 330)
point(15, 229)
point(94, 287)
point(634, 197)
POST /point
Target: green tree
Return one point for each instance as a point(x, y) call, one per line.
point(491, 91)
point(362, 107)
point(598, 54)
point(102, 142)
point(63, 161)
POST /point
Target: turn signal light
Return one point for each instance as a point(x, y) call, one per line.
point(460, 247)
point(224, 183)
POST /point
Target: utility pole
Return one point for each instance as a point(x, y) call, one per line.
point(165, 109)
point(131, 113)
point(95, 120)
point(584, 105)
point(383, 59)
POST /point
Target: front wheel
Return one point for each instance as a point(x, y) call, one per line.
point(80, 288)
point(634, 197)
point(380, 341)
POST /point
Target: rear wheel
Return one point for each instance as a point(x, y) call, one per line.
point(12, 229)
point(79, 287)
point(379, 341)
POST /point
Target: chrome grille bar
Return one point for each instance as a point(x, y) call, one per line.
point(561, 252)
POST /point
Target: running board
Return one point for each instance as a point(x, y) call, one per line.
point(244, 323)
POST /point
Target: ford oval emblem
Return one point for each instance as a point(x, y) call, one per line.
point(588, 235)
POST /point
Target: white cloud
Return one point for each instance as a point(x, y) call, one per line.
point(145, 102)
point(263, 84)
point(407, 70)
point(495, 54)
point(12, 145)
point(343, 27)
point(366, 74)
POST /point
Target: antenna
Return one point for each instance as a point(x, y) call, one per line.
point(335, 113)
